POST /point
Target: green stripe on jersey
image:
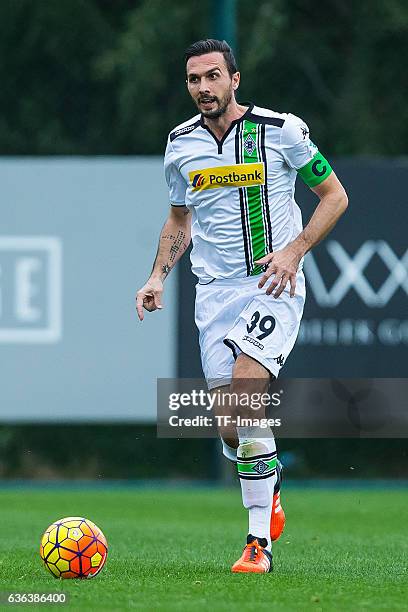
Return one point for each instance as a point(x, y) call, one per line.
point(315, 171)
point(254, 196)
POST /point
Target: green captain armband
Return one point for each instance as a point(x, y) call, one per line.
point(315, 171)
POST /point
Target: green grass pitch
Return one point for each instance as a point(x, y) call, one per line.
point(172, 549)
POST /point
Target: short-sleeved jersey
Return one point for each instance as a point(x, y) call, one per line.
point(240, 190)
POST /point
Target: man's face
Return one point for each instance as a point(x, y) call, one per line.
point(210, 84)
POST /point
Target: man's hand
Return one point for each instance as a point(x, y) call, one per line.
point(149, 297)
point(284, 265)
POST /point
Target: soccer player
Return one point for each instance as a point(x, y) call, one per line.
point(231, 173)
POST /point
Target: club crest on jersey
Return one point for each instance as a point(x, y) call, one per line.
point(249, 144)
point(238, 175)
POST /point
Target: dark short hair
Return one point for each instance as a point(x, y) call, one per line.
point(201, 47)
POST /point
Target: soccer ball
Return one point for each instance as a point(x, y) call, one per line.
point(73, 547)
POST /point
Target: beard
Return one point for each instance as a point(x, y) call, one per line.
point(222, 105)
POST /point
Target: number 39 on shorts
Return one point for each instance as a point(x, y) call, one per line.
point(261, 326)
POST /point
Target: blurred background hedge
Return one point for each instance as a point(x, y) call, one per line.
point(90, 77)
point(134, 452)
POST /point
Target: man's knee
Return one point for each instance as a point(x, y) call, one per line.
point(250, 379)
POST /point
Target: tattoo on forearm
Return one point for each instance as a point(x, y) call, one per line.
point(177, 245)
point(166, 270)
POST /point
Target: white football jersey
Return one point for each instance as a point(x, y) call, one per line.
point(240, 189)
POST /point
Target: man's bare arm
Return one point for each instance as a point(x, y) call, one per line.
point(284, 264)
point(173, 242)
point(333, 203)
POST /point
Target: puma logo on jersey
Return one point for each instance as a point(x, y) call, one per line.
point(238, 175)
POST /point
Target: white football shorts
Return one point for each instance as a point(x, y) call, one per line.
point(234, 316)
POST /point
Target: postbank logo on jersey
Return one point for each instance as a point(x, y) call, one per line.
point(238, 175)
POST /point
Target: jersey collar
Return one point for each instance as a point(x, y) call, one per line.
point(231, 127)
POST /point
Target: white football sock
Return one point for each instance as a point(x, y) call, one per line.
point(256, 461)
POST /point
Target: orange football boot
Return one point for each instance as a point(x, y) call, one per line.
point(255, 559)
point(277, 514)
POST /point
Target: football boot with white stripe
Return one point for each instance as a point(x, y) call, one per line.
point(255, 558)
